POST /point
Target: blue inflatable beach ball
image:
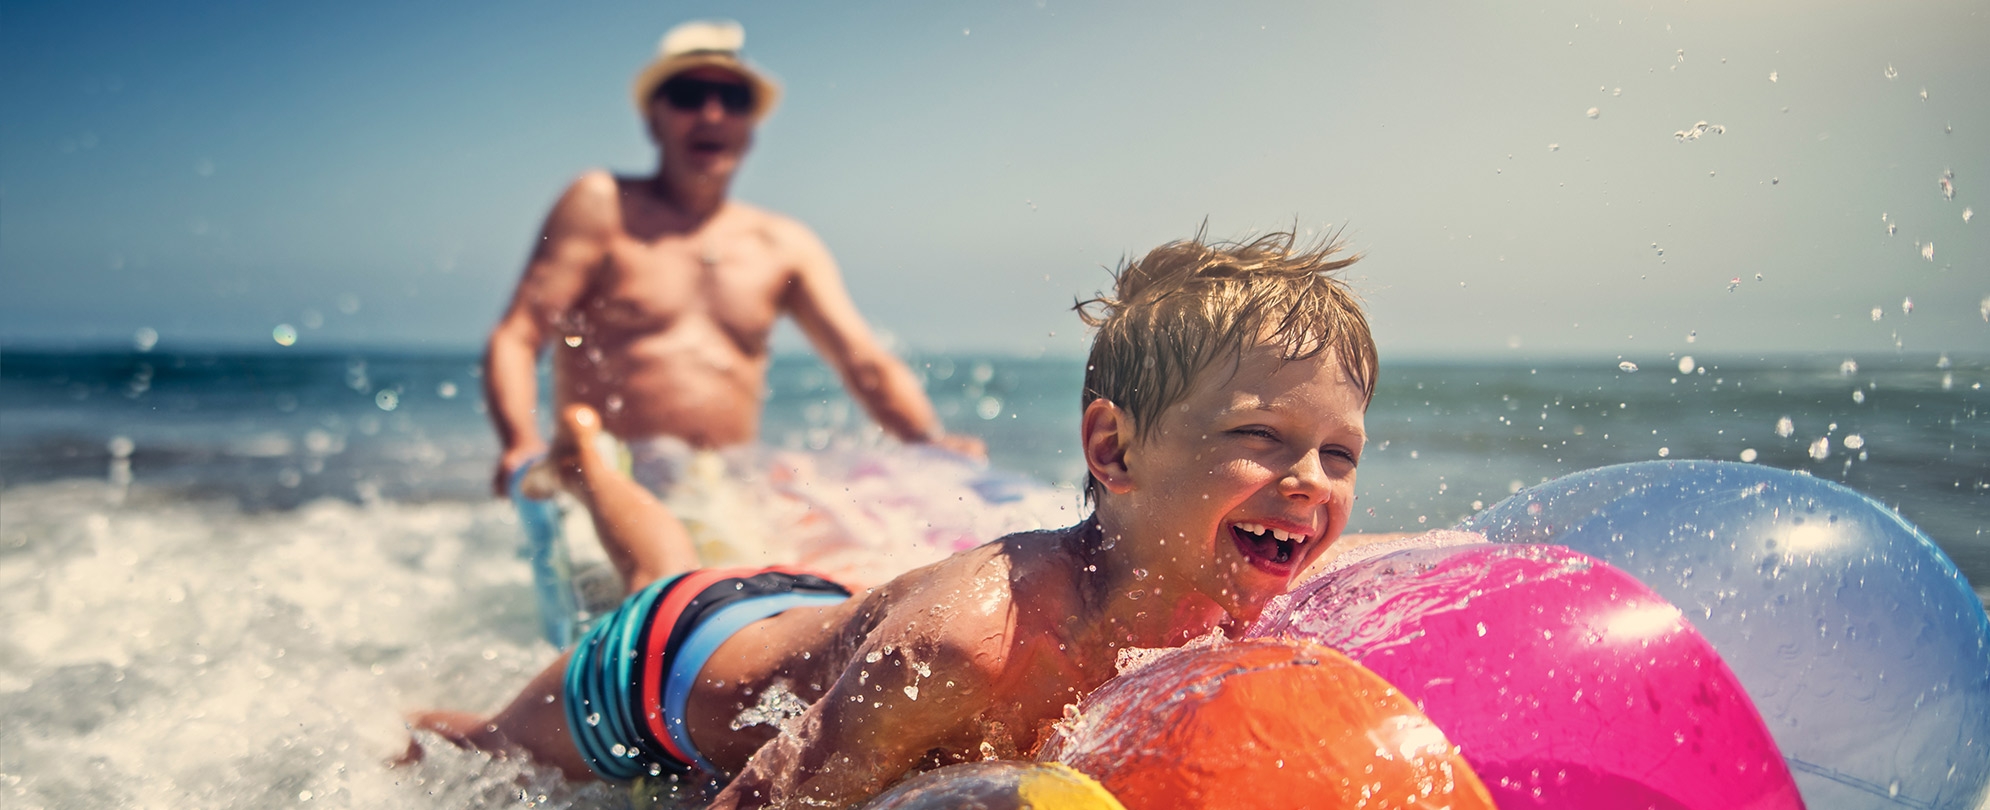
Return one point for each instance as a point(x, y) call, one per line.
point(1864, 649)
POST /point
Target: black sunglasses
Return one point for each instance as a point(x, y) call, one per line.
point(689, 95)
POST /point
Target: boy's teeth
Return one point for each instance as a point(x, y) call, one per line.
point(1276, 534)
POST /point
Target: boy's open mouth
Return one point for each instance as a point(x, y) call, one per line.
point(1273, 550)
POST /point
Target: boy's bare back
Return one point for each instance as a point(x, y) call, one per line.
point(969, 658)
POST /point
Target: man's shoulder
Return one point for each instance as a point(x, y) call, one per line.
point(593, 196)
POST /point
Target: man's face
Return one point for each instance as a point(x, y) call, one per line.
point(697, 121)
point(1243, 484)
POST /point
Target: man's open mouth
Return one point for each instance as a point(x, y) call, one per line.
point(1272, 549)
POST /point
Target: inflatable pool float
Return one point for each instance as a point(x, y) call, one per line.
point(1863, 647)
point(1669, 635)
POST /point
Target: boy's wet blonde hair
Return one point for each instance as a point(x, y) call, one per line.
point(1184, 305)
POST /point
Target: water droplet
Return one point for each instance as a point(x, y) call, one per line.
point(1924, 94)
point(1878, 314)
point(1859, 397)
point(912, 692)
point(1947, 183)
point(572, 341)
point(1890, 72)
point(594, 719)
point(1772, 75)
point(1593, 112)
point(1748, 454)
point(284, 334)
point(1785, 428)
point(1967, 215)
point(1943, 361)
point(1821, 449)
point(303, 795)
point(988, 408)
point(1848, 368)
point(1906, 306)
point(1627, 366)
point(1664, 451)
point(446, 390)
point(387, 400)
point(1554, 147)
point(1927, 252)
point(1854, 442)
point(1686, 364)
point(147, 337)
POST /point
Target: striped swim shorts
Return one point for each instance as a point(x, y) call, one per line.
point(630, 677)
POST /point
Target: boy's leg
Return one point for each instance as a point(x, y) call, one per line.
point(643, 538)
point(536, 722)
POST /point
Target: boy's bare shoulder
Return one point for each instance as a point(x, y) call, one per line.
point(967, 607)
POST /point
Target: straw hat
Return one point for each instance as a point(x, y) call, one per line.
point(704, 43)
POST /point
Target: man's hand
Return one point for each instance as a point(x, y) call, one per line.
point(509, 462)
point(962, 444)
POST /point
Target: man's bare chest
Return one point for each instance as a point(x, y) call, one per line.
point(650, 287)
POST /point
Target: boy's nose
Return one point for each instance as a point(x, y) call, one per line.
point(1307, 480)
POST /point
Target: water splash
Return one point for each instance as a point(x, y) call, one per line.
point(1698, 130)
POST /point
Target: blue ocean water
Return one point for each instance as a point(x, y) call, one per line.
point(274, 430)
point(262, 560)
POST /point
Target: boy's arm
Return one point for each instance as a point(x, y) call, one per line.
point(896, 702)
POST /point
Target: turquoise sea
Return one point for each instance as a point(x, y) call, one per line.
point(227, 575)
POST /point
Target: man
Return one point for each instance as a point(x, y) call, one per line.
point(659, 294)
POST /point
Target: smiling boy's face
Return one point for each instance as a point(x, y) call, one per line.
point(1244, 483)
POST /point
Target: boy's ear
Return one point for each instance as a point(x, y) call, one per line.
point(1106, 432)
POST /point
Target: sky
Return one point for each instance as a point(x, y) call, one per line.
point(370, 174)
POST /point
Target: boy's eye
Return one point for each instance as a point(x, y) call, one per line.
point(1259, 432)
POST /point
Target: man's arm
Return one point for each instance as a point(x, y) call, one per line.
point(887, 389)
point(571, 244)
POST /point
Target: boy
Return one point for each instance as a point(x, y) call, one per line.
point(1222, 424)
